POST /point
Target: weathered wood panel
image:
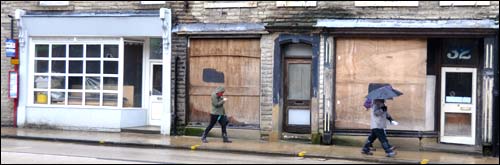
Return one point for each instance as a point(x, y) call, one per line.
point(234, 63)
point(400, 62)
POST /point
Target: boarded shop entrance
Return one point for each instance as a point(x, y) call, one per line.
point(400, 62)
point(233, 63)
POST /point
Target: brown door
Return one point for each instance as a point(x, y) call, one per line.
point(234, 63)
point(297, 89)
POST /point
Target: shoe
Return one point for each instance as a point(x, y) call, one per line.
point(225, 139)
point(367, 152)
point(391, 154)
point(204, 138)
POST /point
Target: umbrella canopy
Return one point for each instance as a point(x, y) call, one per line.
point(385, 92)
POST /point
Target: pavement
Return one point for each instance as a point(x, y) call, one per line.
point(283, 148)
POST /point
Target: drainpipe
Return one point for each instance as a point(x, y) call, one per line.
point(175, 97)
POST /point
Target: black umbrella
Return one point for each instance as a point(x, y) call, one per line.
point(385, 92)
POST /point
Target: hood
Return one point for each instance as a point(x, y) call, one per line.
point(220, 89)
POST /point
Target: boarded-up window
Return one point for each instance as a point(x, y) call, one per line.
point(399, 62)
point(234, 63)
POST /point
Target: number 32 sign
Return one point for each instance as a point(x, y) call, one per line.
point(462, 54)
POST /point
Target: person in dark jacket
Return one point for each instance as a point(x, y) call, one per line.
point(217, 114)
point(378, 125)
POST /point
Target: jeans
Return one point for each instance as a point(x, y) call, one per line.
point(382, 137)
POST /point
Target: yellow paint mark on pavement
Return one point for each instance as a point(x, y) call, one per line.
point(194, 147)
point(302, 153)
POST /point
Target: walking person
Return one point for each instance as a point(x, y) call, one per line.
point(378, 124)
point(217, 114)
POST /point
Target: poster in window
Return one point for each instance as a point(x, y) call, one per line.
point(12, 84)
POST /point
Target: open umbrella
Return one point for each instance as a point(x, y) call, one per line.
point(385, 92)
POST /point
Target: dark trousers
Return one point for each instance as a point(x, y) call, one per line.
point(222, 121)
point(382, 137)
point(372, 138)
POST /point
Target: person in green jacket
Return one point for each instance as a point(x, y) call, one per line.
point(217, 114)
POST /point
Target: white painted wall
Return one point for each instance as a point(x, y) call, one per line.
point(85, 119)
point(133, 117)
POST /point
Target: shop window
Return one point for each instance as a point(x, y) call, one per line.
point(156, 49)
point(132, 81)
point(76, 74)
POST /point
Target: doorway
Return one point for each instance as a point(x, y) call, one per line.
point(458, 105)
point(297, 88)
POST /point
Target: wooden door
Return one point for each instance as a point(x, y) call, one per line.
point(233, 63)
point(298, 96)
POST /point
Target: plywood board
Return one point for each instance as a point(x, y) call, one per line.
point(237, 63)
point(399, 62)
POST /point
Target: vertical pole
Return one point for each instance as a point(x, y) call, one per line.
point(495, 108)
point(16, 100)
point(165, 16)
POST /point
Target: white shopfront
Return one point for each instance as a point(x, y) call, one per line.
point(93, 71)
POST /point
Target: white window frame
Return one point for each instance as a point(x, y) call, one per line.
point(464, 3)
point(386, 3)
point(54, 3)
point(152, 2)
point(74, 41)
point(296, 3)
point(229, 4)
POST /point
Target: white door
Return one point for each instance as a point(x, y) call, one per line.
point(458, 105)
point(155, 94)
